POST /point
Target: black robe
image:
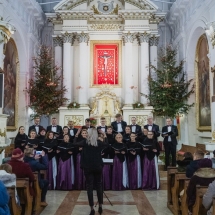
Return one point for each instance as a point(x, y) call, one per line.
point(152, 144)
point(119, 146)
point(19, 140)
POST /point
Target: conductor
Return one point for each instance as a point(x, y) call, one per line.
point(92, 164)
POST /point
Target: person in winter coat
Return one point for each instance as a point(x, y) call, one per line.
point(4, 200)
point(198, 162)
point(36, 167)
point(208, 197)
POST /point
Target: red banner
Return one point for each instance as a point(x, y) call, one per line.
point(106, 64)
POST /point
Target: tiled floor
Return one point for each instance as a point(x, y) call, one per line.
point(124, 203)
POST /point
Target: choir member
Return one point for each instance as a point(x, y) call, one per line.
point(150, 176)
point(119, 125)
point(102, 128)
point(152, 127)
point(79, 174)
point(33, 142)
point(72, 129)
point(21, 139)
point(50, 146)
point(65, 175)
point(57, 129)
point(36, 126)
point(134, 163)
point(143, 136)
point(134, 127)
point(65, 131)
point(170, 141)
point(111, 140)
point(120, 171)
point(91, 162)
point(126, 135)
point(41, 137)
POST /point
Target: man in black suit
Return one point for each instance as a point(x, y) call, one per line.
point(170, 141)
point(72, 129)
point(87, 124)
point(102, 128)
point(152, 127)
point(119, 125)
point(54, 127)
point(135, 128)
point(37, 127)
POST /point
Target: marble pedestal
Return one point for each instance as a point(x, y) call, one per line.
point(77, 115)
point(140, 114)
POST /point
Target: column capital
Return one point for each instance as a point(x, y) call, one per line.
point(143, 37)
point(68, 37)
point(128, 37)
point(83, 37)
point(153, 41)
point(58, 41)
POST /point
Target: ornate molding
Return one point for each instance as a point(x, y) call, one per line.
point(58, 41)
point(68, 37)
point(128, 37)
point(83, 37)
point(153, 41)
point(106, 27)
point(143, 37)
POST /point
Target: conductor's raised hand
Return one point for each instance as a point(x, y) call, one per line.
point(123, 152)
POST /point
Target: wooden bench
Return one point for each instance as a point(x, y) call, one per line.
point(179, 181)
point(185, 148)
point(15, 209)
point(184, 206)
point(37, 200)
point(198, 208)
point(170, 183)
point(201, 146)
point(43, 173)
point(22, 186)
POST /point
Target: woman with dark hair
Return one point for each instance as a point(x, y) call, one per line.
point(50, 147)
point(21, 139)
point(126, 135)
point(151, 150)
point(33, 142)
point(120, 170)
point(91, 162)
point(65, 131)
point(41, 137)
point(182, 164)
point(65, 175)
point(134, 163)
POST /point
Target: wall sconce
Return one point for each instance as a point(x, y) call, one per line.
point(211, 33)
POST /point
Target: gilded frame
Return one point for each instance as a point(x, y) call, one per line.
point(199, 127)
point(15, 125)
point(92, 44)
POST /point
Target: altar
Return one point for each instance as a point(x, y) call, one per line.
point(105, 49)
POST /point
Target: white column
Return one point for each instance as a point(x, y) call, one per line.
point(153, 42)
point(128, 39)
point(83, 39)
point(144, 65)
point(58, 43)
point(68, 40)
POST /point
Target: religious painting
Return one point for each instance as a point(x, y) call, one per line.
point(11, 69)
point(203, 104)
point(105, 63)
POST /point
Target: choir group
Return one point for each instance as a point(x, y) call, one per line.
point(134, 152)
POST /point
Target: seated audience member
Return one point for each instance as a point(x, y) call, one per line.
point(182, 164)
point(198, 162)
point(8, 178)
point(21, 169)
point(213, 160)
point(202, 177)
point(21, 139)
point(208, 198)
point(4, 200)
point(36, 167)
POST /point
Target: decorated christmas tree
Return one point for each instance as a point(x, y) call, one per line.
point(169, 89)
point(45, 90)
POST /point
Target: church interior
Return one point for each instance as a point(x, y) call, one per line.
point(121, 65)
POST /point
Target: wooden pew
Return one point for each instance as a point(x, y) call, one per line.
point(37, 201)
point(213, 206)
point(198, 208)
point(171, 171)
point(184, 206)
point(15, 209)
point(185, 148)
point(180, 178)
point(22, 186)
point(43, 173)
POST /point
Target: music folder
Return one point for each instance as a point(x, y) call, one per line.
point(107, 160)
